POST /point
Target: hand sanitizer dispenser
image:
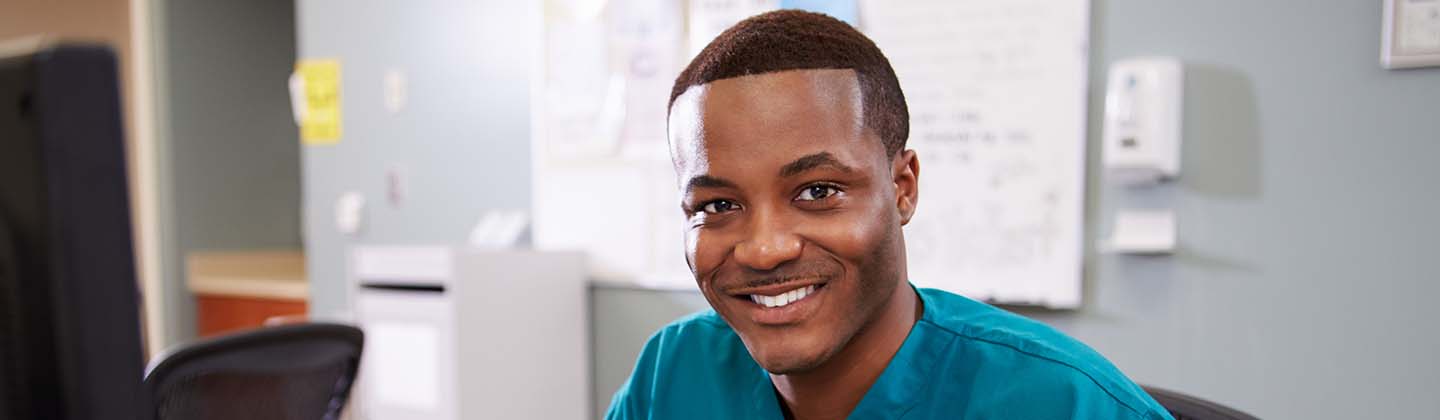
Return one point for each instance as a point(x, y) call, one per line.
point(1142, 121)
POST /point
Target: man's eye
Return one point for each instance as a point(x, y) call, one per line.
point(718, 206)
point(816, 192)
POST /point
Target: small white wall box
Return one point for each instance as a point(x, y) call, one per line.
point(1411, 36)
point(1142, 232)
point(468, 334)
point(1142, 120)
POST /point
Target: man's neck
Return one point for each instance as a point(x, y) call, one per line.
point(832, 390)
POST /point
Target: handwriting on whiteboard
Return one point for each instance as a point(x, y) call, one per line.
point(996, 91)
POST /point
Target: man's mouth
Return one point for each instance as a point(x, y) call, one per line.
point(782, 304)
point(784, 298)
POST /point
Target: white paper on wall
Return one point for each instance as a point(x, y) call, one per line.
point(996, 92)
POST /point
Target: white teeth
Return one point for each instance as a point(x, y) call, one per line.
point(783, 298)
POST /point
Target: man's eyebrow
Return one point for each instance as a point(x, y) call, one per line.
point(707, 181)
point(813, 161)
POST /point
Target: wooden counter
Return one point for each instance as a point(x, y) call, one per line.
point(237, 290)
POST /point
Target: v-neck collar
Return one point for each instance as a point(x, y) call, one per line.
point(895, 392)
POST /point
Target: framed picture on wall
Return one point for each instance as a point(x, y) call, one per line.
point(1411, 35)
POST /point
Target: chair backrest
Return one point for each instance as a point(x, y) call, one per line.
point(297, 371)
point(1187, 407)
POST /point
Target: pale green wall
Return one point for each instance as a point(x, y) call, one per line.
point(230, 154)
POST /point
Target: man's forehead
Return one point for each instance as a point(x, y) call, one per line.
point(824, 85)
point(764, 104)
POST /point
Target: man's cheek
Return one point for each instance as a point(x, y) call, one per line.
point(704, 251)
point(849, 236)
point(692, 241)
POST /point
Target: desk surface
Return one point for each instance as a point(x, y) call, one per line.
point(264, 274)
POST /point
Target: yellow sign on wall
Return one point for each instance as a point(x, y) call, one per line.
point(320, 122)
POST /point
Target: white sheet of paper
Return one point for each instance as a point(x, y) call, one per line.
point(499, 229)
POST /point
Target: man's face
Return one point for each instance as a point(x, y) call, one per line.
point(793, 218)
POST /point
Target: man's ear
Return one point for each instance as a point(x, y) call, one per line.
point(906, 173)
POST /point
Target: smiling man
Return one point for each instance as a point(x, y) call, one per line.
point(788, 137)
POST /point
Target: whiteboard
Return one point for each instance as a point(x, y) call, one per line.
point(996, 91)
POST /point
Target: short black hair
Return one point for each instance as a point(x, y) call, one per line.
point(798, 40)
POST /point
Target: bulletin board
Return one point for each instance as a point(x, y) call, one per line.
point(996, 92)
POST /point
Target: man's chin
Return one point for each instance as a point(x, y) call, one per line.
point(792, 362)
point(788, 368)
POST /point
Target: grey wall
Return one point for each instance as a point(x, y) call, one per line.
point(230, 163)
point(462, 142)
point(1306, 215)
point(1307, 220)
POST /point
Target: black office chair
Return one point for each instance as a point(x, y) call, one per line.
point(298, 371)
point(1187, 407)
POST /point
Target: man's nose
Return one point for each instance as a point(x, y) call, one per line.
point(769, 244)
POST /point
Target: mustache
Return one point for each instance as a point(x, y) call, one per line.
point(788, 272)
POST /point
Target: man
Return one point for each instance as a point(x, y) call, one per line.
point(787, 133)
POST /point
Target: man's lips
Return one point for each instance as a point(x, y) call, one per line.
point(778, 288)
point(780, 305)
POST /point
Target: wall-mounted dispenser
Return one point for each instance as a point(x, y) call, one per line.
point(1142, 120)
point(1142, 128)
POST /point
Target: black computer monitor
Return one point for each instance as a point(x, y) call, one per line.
point(70, 343)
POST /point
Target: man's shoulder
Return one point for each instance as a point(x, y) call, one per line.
point(704, 329)
point(694, 343)
point(977, 322)
point(706, 321)
point(664, 379)
point(1028, 357)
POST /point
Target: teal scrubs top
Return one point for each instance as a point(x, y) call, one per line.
point(962, 360)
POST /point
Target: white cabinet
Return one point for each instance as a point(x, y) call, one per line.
point(471, 334)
